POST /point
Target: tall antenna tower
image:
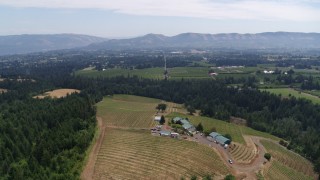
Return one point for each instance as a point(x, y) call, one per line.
point(165, 74)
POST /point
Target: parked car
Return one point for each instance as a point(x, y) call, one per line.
point(230, 161)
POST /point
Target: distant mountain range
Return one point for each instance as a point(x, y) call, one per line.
point(269, 40)
point(18, 44)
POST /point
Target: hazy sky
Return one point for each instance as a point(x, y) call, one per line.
point(127, 18)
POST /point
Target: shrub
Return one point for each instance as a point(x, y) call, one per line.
point(230, 177)
point(267, 156)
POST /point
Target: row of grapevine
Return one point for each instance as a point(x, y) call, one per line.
point(134, 154)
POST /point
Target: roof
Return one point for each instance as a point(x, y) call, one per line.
point(165, 132)
point(176, 119)
point(187, 126)
point(214, 134)
point(222, 140)
point(184, 121)
point(157, 118)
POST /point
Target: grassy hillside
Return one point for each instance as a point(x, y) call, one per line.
point(135, 154)
point(286, 92)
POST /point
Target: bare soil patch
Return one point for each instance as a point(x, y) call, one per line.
point(238, 121)
point(3, 90)
point(58, 93)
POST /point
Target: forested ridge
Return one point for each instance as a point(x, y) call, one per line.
point(44, 139)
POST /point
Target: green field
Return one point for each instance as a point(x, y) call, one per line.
point(223, 127)
point(287, 92)
point(152, 73)
point(136, 154)
point(288, 158)
point(127, 111)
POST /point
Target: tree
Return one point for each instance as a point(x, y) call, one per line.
point(193, 177)
point(161, 107)
point(199, 127)
point(290, 72)
point(267, 156)
point(162, 120)
point(191, 110)
point(207, 177)
point(317, 166)
point(230, 177)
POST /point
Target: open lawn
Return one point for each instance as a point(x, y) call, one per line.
point(223, 127)
point(58, 93)
point(135, 154)
point(287, 92)
point(128, 111)
point(288, 158)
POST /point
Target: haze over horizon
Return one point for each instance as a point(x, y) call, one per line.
point(125, 18)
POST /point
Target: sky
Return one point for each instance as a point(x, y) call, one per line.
point(130, 18)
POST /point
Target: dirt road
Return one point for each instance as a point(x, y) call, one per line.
point(88, 170)
point(245, 171)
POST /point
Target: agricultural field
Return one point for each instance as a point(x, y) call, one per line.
point(152, 73)
point(223, 127)
point(127, 150)
point(128, 111)
point(287, 92)
point(278, 171)
point(135, 154)
point(241, 153)
point(288, 159)
point(58, 93)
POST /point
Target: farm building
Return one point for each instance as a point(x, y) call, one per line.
point(157, 118)
point(219, 138)
point(176, 119)
point(164, 133)
point(185, 124)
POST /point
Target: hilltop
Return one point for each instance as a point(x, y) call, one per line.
point(268, 40)
point(27, 43)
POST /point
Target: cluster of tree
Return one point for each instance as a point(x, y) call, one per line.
point(310, 83)
point(45, 139)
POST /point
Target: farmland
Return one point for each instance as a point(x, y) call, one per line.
point(128, 152)
point(58, 93)
point(242, 153)
point(152, 73)
point(127, 111)
point(288, 159)
point(134, 154)
point(278, 171)
point(287, 92)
